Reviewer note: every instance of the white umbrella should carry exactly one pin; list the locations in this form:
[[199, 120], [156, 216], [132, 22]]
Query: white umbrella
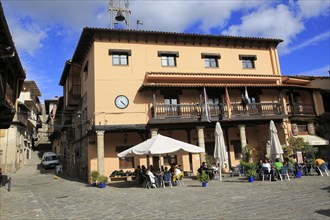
[[275, 145], [220, 152], [159, 145]]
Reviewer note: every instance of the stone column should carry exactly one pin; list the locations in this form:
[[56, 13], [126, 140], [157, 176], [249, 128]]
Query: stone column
[[243, 138], [201, 141], [153, 132], [100, 152]]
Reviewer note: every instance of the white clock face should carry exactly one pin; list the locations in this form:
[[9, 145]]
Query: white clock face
[[121, 101]]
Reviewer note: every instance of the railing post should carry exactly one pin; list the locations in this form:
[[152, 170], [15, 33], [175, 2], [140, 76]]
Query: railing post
[[154, 105]]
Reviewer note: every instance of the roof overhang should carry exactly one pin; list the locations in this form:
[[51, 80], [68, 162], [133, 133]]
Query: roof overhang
[[32, 87], [296, 81], [314, 140]]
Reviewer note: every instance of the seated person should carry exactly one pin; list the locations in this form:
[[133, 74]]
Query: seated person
[[152, 178], [278, 165], [266, 165], [307, 166], [215, 168], [207, 170]]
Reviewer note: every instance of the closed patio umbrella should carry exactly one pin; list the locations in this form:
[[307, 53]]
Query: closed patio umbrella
[[220, 152], [275, 145]]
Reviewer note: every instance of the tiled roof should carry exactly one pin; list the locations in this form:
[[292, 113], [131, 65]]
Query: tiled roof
[[88, 34]]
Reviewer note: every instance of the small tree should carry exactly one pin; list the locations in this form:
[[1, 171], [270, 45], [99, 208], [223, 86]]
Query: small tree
[[298, 144]]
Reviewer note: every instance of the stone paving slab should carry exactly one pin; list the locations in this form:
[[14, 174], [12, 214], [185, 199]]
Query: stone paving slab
[[38, 195]]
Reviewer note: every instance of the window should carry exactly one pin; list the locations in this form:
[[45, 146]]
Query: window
[[126, 163], [168, 58], [211, 59], [119, 57], [248, 61], [210, 62], [168, 160]]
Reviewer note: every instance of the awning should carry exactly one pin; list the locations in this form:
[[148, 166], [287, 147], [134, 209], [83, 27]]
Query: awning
[[314, 140]]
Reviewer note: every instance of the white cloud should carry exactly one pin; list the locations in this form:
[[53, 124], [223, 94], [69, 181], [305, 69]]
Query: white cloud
[[277, 22], [179, 15], [27, 38], [313, 8], [310, 42], [322, 71]]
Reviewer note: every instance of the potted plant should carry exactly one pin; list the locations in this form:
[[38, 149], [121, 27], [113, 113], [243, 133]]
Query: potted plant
[[249, 170], [102, 180], [203, 178], [94, 177]]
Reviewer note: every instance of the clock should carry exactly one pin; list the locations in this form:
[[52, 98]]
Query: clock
[[121, 101]]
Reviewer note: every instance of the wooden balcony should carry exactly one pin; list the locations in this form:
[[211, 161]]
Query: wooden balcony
[[300, 109], [74, 95], [21, 118], [9, 95], [164, 113]]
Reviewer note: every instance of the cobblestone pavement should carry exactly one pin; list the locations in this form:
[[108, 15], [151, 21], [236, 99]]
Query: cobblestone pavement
[[37, 194]]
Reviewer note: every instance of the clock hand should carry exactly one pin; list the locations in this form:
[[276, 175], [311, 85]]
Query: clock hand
[[122, 102]]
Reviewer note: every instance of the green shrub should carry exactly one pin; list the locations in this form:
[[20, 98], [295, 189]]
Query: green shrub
[[203, 177], [94, 176]]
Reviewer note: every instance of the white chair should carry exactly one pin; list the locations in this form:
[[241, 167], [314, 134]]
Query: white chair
[[323, 169], [58, 169], [265, 172], [167, 179], [283, 172], [180, 182]]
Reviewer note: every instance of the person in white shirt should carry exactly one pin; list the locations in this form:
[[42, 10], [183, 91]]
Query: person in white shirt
[[152, 178], [177, 173], [267, 165]]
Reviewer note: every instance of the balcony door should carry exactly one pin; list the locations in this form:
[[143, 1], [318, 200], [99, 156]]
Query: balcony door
[[171, 105]]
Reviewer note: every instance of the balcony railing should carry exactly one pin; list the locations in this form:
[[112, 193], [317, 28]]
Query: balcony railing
[[299, 109], [196, 112], [21, 118], [258, 109]]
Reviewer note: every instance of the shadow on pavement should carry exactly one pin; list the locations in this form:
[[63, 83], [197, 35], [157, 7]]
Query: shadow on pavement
[[130, 184], [325, 212], [327, 188]]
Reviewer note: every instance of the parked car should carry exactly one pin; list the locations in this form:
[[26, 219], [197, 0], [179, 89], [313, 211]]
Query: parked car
[[49, 160]]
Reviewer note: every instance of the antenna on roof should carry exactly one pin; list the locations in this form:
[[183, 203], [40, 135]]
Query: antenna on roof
[[120, 7], [138, 22]]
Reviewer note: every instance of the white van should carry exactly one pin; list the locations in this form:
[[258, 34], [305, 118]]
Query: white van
[[49, 160]]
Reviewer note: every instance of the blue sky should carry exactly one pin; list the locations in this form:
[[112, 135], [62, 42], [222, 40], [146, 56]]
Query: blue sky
[[46, 32]]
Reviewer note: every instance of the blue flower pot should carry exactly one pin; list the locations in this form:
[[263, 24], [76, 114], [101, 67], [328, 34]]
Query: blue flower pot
[[204, 184], [251, 179], [102, 185], [298, 174], [94, 184]]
